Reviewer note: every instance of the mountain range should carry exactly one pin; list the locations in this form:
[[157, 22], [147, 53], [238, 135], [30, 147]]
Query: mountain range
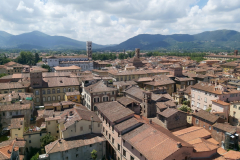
[[209, 40]]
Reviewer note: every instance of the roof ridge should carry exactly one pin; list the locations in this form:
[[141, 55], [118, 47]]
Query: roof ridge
[[53, 145], [190, 131]]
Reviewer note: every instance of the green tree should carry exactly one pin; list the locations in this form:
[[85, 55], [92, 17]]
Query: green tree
[[94, 154], [45, 140], [187, 103], [26, 58], [2, 75], [36, 58], [35, 157], [4, 59], [46, 67], [185, 108], [208, 109]]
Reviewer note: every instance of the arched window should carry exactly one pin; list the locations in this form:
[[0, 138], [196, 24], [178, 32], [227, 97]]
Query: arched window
[[44, 99], [53, 91], [54, 98], [58, 90], [69, 89], [48, 91], [43, 92], [59, 98], [49, 98], [64, 90]]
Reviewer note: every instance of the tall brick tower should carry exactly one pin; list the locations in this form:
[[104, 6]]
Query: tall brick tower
[[148, 105], [89, 49], [235, 52], [137, 52], [36, 79]]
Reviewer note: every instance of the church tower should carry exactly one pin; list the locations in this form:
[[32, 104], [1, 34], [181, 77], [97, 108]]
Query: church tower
[[137, 52], [148, 105], [89, 49]]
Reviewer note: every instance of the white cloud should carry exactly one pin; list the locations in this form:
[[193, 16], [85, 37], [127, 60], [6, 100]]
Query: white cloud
[[93, 19], [22, 7]]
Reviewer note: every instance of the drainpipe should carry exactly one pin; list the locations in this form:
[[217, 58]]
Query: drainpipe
[[121, 146], [91, 123]]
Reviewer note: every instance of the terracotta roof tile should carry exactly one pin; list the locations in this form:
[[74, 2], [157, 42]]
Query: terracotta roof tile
[[113, 110]]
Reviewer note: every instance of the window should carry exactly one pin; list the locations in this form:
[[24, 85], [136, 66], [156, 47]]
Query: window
[[124, 153], [59, 98], [103, 129], [210, 128], [109, 136], [49, 98], [43, 92], [112, 140], [235, 106], [205, 99], [54, 98], [119, 147], [69, 89], [49, 122], [204, 107], [193, 103], [196, 121], [234, 113], [106, 133], [98, 124], [30, 141], [37, 99], [73, 89], [203, 126], [44, 99], [238, 108], [48, 91], [3, 113], [36, 92], [112, 92], [131, 158], [58, 90], [53, 91], [198, 97], [193, 95], [198, 104]]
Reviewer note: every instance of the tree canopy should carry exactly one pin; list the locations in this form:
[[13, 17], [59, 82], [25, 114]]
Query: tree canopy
[[45, 140], [94, 154], [46, 67], [185, 108]]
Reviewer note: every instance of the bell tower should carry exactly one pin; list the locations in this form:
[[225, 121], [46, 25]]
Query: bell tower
[[89, 49], [137, 52], [148, 105]]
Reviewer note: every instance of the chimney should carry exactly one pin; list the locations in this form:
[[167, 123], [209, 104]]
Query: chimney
[[179, 145], [150, 121]]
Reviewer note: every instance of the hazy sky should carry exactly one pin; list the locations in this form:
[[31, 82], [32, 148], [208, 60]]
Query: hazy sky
[[114, 21]]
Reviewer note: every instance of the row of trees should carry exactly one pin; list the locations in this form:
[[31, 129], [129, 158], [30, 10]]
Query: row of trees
[[104, 56], [4, 59], [28, 58]]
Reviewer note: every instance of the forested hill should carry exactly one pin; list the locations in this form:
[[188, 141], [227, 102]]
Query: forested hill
[[39, 40], [206, 41]]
